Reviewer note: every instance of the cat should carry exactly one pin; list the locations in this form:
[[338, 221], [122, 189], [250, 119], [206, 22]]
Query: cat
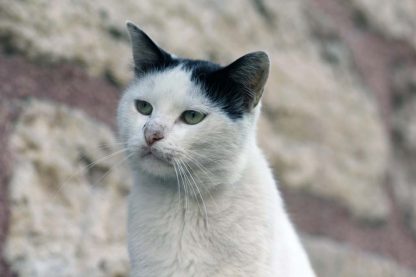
[[204, 200]]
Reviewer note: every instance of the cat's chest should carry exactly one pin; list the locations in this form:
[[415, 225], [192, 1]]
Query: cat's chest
[[172, 243], [162, 236], [170, 229]]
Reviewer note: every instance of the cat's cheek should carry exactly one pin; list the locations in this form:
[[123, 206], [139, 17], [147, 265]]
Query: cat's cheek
[[136, 127]]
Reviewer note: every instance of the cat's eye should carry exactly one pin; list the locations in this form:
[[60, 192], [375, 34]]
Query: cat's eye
[[192, 117], [143, 107]]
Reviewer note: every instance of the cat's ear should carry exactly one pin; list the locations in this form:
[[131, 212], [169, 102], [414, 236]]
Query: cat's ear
[[251, 72], [146, 54]]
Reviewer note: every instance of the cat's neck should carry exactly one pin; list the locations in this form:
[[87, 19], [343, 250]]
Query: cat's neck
[[166, 196], [157, 197]]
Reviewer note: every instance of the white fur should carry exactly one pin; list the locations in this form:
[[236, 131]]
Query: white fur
[[240, 229]]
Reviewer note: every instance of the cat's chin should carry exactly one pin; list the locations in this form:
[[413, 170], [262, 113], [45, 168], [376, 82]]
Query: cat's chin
[[156, 166], [154, 157]]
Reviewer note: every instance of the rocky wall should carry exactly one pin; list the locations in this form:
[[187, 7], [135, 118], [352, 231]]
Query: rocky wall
[[338, 124]]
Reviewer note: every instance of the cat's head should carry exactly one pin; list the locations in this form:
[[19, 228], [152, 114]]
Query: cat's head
[[182, 117]]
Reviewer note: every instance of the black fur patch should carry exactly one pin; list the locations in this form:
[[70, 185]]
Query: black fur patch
[[221, 90], [226, 93], [158, 66], [235, 88], [147, 56], [218, 87]]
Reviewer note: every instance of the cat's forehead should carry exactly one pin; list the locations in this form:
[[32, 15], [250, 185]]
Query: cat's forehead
[[164, 83], [171, 86]]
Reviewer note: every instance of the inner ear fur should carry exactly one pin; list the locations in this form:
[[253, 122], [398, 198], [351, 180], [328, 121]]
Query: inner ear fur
[[146, 53], [251, 71]]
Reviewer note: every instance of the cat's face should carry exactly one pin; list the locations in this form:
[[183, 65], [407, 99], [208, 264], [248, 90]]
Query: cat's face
[[183, 129], [188, 119]]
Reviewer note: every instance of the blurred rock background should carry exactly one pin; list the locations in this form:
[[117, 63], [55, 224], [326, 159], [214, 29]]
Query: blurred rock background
[[338, 125]]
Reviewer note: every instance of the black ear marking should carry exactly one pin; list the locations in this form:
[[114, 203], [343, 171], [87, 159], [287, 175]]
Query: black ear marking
[[251, 72], [236, 88], [146, 54]]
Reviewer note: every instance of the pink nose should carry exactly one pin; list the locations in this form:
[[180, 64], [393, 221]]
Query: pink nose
[[152, 137]]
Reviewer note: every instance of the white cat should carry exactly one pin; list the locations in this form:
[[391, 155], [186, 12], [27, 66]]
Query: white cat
[[204, 201]]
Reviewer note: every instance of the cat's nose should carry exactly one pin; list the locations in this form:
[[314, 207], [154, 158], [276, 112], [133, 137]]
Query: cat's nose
[[153, 131], [151, 136]]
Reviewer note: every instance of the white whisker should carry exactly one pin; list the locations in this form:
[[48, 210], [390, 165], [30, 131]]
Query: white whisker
[[205, 171], [189, 182], [87, 167], [178, 186], [110, 170], [180, 171], [199, 191]]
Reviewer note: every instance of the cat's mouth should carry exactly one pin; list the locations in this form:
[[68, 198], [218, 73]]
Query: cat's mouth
[[150, 153]]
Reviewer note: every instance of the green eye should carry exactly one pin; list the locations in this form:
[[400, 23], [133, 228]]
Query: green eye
[[143, 107], [192, 117]]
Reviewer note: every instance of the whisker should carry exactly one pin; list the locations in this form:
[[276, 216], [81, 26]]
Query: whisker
[[95, 184], [205, 157], [180, 170], [199, 165], [205, 171], [189, 181], [199, 191], [196, 198], [87, 167], [178, 186], [190, 184], [105, 158]]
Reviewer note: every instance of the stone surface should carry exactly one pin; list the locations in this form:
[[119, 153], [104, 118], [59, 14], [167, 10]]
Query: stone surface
[[334, 259], [67, 217], [394, 19], [404, 127], [322, 130], [69, 85], [404, 175], [336, 65], [381, 37], [21, 80], [5, 167], [328, 143]]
